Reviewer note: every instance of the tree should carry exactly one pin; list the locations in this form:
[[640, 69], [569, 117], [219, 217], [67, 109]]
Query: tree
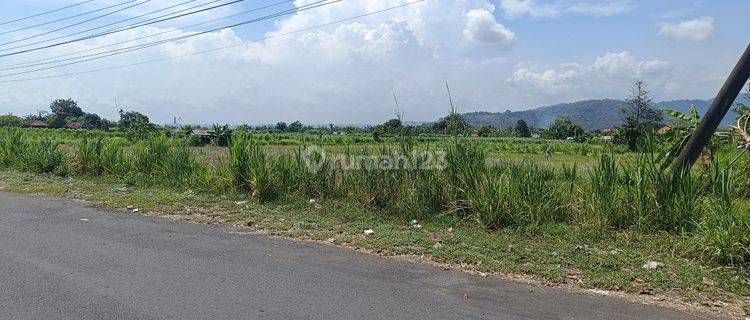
[[425, 128], [486, 131], [57, 121], [454, 123], [295, 126], [222, 135], [376, 135], [66, 108], [742, 129], [130, 118], [639, 108], [564, 128], [641, 117], [10, 120], [392, 126], [678, 136], [522, 129], [742, 108], [281, 126], [92, 119]]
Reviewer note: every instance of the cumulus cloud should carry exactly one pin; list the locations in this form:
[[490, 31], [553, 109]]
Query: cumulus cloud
[[697, 30], [481, 27], [534, 9], [344, 73], [607, 74]]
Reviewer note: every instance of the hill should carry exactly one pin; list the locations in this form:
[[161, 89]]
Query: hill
[[591, 114]]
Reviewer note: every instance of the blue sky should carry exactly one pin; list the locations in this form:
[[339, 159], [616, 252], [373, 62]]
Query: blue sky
[[497, 55]]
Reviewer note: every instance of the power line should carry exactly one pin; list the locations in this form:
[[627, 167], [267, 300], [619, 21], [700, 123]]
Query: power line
[[36, 62], [99, 27], [214, 49], [112, 31], [156, 43], [68, 18], [46, 12]]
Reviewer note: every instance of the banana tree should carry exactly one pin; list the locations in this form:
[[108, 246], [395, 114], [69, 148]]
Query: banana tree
[[677, 137]]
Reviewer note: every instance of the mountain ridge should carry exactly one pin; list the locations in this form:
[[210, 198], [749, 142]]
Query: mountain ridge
[[593, 114]]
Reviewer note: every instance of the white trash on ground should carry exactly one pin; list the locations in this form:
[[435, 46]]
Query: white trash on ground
[[651, 265]]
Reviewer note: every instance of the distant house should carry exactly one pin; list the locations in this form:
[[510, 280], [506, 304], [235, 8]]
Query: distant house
[[665, 129], [606, 138], [202, 136], [39, 124]]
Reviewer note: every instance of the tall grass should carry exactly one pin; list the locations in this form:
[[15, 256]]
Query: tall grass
[[251, 168], [12, 147], [631, 194], [724, 232], [88, 156], [44, 157]]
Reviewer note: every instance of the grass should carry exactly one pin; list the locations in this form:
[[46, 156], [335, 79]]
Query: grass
[[596, 223], [558, 254]]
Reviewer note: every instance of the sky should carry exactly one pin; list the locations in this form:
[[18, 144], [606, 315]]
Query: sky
[[311, 65]]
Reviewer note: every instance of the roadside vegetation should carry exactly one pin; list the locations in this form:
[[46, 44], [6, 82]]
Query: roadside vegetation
[[613, 217]]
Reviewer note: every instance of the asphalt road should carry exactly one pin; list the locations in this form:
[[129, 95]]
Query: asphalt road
[[118, 265]]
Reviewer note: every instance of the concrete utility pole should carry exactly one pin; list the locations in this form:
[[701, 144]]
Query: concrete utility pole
[[719, 108]]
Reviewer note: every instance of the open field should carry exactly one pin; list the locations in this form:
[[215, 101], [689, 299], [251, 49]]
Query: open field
[[583, 219]]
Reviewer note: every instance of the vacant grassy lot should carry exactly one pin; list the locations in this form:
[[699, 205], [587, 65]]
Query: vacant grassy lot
[[589, 220]]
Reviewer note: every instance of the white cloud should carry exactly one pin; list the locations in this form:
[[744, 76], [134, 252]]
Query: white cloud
[[481, 27], [343, 73], [601, 8], [516, 8], [697, 30], [605, 77], [535, 9]]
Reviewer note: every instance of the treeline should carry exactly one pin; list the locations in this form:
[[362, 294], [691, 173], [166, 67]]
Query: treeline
[[66, 113]]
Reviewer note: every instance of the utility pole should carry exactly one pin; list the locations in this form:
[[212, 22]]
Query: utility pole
[[719, 108]]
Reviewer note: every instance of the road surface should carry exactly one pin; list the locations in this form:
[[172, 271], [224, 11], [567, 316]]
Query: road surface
[[62, 260]]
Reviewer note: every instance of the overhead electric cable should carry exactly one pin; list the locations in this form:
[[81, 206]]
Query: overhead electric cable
[[37, 62], [211, 50], [68, 18], [156, 43], [111, 31], [79, 23], [46, 12], [99, 27]]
